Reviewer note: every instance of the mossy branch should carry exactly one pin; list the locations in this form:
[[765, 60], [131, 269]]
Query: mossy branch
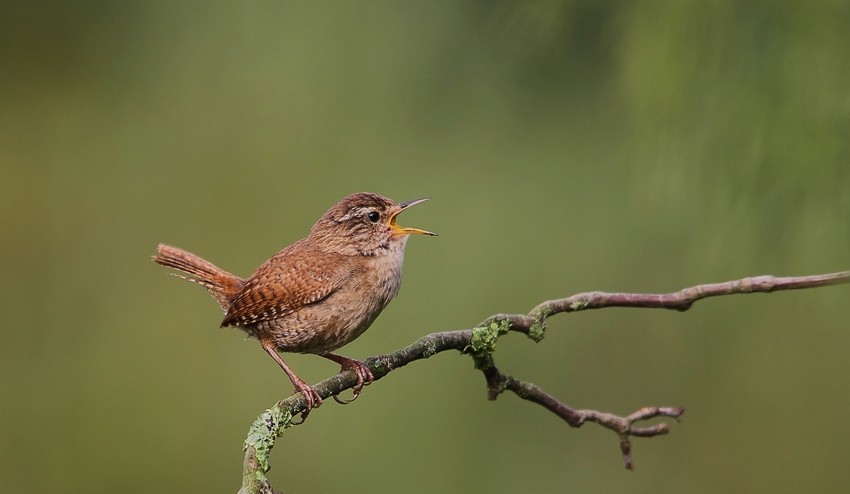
[[480, 344]]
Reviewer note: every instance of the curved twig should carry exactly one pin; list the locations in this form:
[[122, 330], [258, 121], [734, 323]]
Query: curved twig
[[480, 343]]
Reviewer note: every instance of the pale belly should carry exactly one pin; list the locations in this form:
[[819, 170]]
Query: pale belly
[[341, 317]]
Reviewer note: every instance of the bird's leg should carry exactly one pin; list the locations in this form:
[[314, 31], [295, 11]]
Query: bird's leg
[[310, 395], [364, 375]]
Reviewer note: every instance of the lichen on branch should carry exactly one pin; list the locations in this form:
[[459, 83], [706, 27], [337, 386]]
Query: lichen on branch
[[480, 343], [483, 342]]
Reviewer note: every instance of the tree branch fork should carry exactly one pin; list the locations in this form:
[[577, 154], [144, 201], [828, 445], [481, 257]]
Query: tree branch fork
[[480, 344]]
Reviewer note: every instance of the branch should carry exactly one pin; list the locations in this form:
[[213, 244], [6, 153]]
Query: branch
[[480, 344]]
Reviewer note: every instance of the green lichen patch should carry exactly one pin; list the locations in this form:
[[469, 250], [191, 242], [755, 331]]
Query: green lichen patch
[[263, 432], [380, 364], [430, 348], [483, 342], [537, 331]]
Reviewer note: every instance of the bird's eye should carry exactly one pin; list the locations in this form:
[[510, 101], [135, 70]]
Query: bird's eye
[[373, 216]]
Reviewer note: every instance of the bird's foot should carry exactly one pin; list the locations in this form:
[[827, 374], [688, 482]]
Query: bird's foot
[[363, 373], [311, 396]]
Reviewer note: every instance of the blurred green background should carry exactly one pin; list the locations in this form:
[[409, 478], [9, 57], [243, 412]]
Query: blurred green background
[[568, 146]]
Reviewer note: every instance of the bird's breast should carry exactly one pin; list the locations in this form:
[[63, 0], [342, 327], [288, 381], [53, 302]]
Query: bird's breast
[[346, 313]]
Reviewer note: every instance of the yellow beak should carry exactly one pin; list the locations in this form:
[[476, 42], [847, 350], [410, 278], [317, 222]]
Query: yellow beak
[[400, 230]]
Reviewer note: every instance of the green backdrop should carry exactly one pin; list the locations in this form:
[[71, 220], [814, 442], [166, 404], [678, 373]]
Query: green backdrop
[[568, 146]]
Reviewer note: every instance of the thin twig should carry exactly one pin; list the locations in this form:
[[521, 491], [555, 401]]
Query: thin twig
[[479, 342]]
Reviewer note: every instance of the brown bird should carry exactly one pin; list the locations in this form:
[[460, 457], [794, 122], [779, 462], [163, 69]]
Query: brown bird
[[319, 293]]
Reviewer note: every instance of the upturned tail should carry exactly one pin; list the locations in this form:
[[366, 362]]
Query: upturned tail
[[223, 286]]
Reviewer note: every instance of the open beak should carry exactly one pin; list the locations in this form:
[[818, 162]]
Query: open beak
[[400, 230]]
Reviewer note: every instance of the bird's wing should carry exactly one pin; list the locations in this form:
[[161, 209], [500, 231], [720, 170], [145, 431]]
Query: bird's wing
[[284, 284]]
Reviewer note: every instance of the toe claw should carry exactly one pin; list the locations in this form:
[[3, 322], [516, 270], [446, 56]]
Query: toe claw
[[343, 401], [363, 373], [312, 398]]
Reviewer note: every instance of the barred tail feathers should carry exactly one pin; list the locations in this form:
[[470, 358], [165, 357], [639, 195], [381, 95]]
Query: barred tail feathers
[[223, 286]]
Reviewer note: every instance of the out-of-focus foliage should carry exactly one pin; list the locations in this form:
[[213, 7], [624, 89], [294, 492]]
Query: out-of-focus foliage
[[568, 146]]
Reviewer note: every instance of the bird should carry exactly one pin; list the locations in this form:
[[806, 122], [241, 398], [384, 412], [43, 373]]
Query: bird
[[319, 293]]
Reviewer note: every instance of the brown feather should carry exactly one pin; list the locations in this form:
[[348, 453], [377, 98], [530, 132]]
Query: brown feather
[[293, 278], [321, 292], [223, 286]]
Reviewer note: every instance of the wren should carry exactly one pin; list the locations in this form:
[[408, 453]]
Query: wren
[[319, 293]]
